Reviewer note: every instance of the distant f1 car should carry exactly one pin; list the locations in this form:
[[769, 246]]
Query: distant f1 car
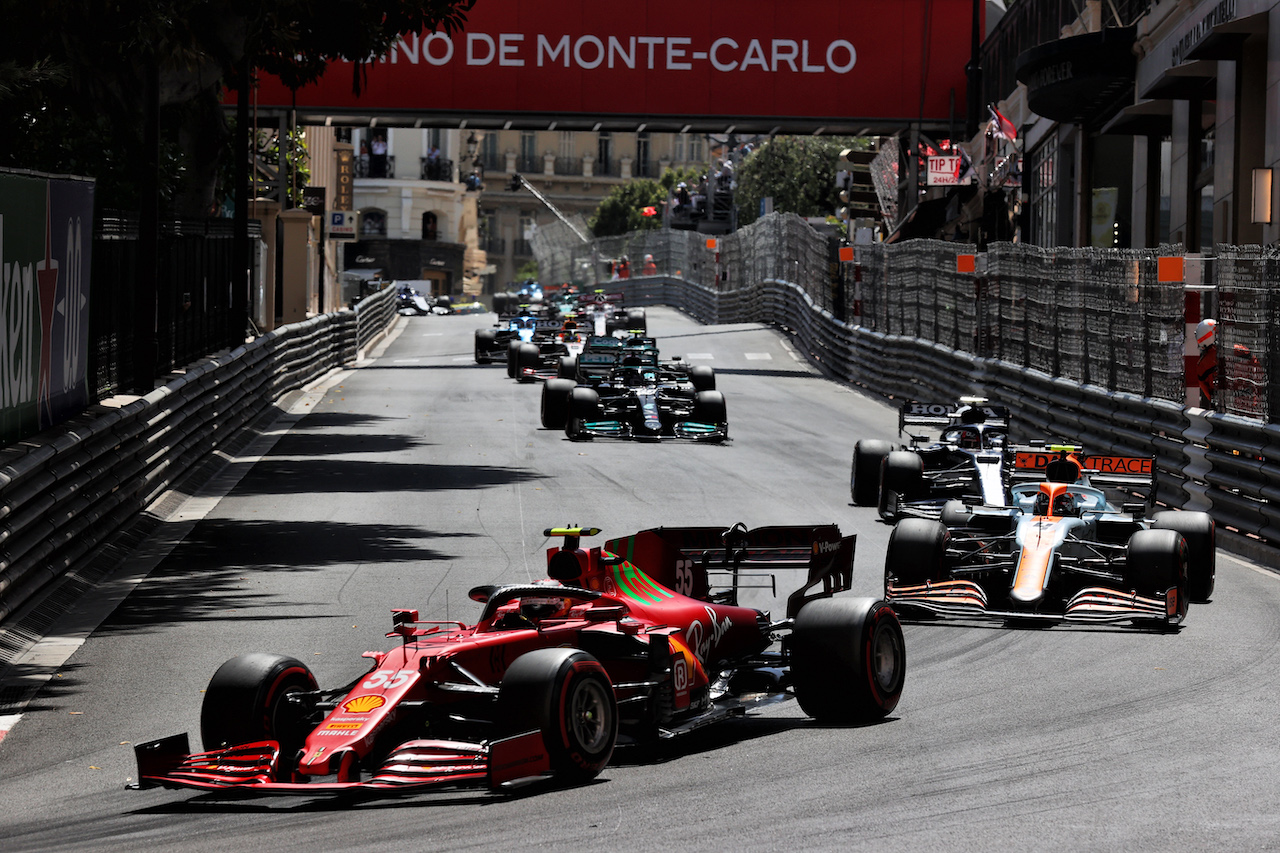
[[966, 462], [638, 638], [1061, 551], [608, 361], [639, 398]]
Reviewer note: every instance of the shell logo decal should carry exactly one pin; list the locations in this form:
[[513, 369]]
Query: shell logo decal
[[363, 704]]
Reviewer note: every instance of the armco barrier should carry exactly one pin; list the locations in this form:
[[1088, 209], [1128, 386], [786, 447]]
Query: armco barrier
[[1226, 465], [67, 491]]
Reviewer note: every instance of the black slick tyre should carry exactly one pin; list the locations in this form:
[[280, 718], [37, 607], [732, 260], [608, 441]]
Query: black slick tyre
[[917, 552], [709, 408], [864, 478], [584, 405], [568, 367], [555, 402], [247, 700], [484, 345], [528, 357], [513, 357], [702, 377], [1156, 561], [1200, 532], [901, 479], [636, 320], [566, 694], [848, 659]]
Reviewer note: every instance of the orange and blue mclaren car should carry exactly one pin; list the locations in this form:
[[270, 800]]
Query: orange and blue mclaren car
[[1064, 549], [639, 640]]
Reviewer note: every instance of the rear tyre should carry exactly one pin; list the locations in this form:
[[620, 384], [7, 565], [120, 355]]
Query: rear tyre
[[500, 303], [917, 552], [901, 479], [864, 479], [1157, 561], [636, 320], [528, 357], [555, 402], [247, 700], [1200, 532], [955, 514], [484, 345], [702, 377], [567, 695], [568, 367], [848, 659]]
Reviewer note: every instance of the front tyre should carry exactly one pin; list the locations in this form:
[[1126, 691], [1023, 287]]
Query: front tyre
[[848, 659], [248, 700], [567, 695], [1156, 561], [555, 402]]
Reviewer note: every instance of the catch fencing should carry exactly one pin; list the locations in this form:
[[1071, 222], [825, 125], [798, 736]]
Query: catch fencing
[[69, 492], [1085, 345]]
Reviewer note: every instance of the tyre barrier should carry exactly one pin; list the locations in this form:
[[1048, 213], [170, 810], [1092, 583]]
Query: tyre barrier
[[66, 492], [1226, 465]]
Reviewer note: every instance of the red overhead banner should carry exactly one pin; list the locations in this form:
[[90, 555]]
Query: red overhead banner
[[785, 58]]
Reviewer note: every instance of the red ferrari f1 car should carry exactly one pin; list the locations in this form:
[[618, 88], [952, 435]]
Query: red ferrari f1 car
[[642, 637]]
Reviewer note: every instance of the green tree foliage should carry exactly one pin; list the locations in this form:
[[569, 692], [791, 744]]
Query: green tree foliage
[[798, 172], [528, 270], [74, 79], [622, 210]]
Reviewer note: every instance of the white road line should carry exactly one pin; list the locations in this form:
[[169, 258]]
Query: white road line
[[432, 334], [795, 356], [406, 361], [759, 356], [701, 356]]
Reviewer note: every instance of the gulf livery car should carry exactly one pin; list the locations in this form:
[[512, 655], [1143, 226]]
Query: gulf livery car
[[1061, 551], [641, 639], [965, 462]]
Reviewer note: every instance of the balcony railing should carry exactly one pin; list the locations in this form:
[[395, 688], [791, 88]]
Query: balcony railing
[[529, 163], [521, 248], [569, 166], [438, 169], [368, 167]]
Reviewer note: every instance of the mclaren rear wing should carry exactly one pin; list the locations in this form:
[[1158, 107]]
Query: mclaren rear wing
[[1125, 475], [715, 563]]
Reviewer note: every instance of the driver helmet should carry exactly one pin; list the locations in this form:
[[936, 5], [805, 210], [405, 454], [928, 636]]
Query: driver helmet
[[1065, 504], [1205, 330], [969, 439], [538, 607]]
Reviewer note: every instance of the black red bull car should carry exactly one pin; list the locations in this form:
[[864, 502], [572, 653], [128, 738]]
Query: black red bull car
[[641, 639], [966, 461], [1061, 550]]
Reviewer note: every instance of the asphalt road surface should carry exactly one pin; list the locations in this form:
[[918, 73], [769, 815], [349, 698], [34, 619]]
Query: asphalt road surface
[[420, 474]]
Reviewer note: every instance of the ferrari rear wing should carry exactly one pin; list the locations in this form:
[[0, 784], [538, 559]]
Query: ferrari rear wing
[[938, 416], [715, 563]]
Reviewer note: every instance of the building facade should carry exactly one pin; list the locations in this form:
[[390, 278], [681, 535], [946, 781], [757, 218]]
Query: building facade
[[1140, 123]]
